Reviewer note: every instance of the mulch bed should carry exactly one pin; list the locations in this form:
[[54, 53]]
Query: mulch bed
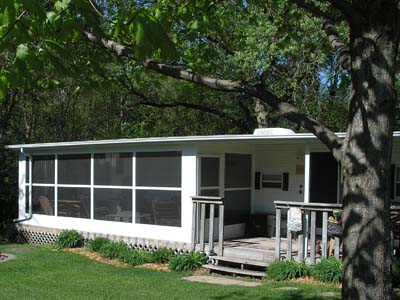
[[115, 262]]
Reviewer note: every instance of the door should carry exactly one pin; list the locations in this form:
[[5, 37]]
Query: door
[[210, 176], [323, 178]]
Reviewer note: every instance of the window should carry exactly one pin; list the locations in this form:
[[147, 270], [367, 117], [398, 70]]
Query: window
[[113, 169], [43, 169], [158, 188], [237, 188], [397, 182], [43, 200], [272, 181], [237, 170], [74, 169], [113, 204], [161, 169], [74, 202], [158, 207]]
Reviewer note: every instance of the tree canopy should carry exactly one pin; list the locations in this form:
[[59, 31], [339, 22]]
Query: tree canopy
[[323, 66]]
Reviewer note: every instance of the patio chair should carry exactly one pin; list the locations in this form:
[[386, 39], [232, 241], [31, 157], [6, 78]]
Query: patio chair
[[165, 212], [46, 205]]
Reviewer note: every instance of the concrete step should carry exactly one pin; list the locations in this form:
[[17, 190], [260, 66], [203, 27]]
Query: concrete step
[[240, 261], [236, 271]]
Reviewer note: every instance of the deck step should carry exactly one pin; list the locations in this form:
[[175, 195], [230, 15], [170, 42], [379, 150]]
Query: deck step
[[241, 261], [234, 271]]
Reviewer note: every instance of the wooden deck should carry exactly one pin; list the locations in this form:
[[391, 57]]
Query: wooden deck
[[258, 248]]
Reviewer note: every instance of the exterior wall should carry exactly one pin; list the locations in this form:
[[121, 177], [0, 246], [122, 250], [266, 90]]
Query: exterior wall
[[277, 159], [156, 232]]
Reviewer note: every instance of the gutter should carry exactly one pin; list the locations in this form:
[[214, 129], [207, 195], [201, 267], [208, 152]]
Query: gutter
[[30, 190]]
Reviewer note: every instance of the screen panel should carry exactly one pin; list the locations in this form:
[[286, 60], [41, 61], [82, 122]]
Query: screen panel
[[74, 169], [74, 202], [237, 170], [209, 171], [158, 207], [43, 169], [113, 169], [158, 169], [113, 205], [43, 200]]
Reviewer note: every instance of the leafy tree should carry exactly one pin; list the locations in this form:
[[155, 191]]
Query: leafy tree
[[275, 52]]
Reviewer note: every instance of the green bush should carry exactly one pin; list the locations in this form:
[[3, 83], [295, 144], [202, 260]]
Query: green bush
[[112, 250], [328, 270], [162, 255], [69, 239], [395, 272], [135, 257], [95, 244], [286, 270], [187, 262]]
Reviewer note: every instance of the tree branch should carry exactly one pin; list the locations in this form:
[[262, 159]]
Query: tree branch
[[13, 25], [283, 107], [337, 44], [311, 8], [344, 7]]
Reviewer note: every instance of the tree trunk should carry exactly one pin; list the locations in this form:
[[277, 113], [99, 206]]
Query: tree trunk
[[367, 152]]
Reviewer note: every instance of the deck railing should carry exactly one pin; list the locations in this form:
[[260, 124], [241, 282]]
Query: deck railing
[[309, 232], [200, 204]]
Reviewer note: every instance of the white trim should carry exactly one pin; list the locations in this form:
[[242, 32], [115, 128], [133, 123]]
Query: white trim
[[158, 188], [210, 188], [44, 184], [307, 173], [56, 185], [74, 185], [121, 187], [134, 187], [238, 189], [181, 139], [91, 186]]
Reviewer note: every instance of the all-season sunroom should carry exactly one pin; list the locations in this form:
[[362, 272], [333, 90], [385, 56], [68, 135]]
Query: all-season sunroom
[[142, 188]]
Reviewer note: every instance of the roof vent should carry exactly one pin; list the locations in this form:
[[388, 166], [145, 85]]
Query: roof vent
[[273, 131]]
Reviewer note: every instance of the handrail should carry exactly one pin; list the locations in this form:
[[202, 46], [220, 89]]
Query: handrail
[[309, 206], [198, 222]]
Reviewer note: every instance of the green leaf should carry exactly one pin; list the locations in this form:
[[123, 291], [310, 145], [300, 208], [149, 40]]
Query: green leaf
[[3, 87], [22, 52]]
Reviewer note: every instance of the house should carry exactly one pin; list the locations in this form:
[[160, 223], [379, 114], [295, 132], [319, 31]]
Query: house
[[141, 189]]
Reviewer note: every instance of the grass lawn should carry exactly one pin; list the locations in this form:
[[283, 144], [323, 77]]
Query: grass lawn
[[42, 273]]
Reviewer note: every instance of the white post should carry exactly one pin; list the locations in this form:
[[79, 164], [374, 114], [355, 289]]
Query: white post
[[307, 174], [306, 195], [22, 186]]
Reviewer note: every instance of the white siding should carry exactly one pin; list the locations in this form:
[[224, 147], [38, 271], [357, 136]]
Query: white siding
[[278, 159]]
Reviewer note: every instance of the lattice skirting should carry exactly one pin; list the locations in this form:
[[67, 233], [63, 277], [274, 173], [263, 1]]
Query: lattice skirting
[[40, 236]]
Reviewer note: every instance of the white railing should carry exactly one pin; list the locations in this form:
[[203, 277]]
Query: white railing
[[199, 223], [308, 234]]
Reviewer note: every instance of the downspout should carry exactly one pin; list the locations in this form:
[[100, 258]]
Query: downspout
[[30, 190]]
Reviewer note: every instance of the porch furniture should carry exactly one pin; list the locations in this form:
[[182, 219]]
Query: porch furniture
[[46, 206]]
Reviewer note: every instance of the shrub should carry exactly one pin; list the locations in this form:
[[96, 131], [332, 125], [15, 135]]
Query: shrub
[[95, 244], [187, 262], [69, 239], [135, 257], [395, 272], [113, 249], [162, 255], [286, 270], [328, 270]]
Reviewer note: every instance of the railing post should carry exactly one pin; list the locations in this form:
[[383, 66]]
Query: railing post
[[337, 248], [211, 230], [202, 225], [289, 245], [194, 222], [312, 237], [221, 230], [324, 234], [278, 235]]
